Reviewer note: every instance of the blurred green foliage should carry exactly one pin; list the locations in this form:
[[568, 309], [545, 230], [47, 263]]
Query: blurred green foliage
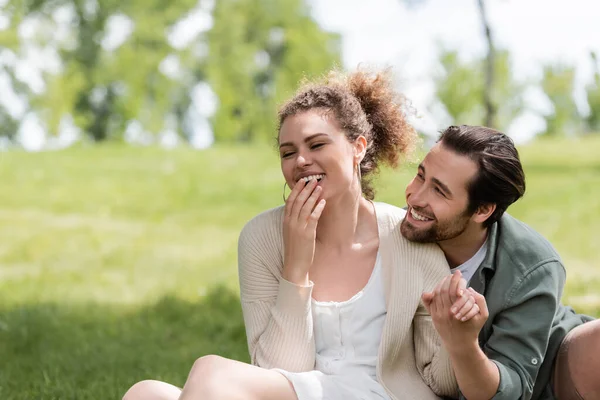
[[558, 84], [258, 52], [253, 55], [460, 86], [593, 97]]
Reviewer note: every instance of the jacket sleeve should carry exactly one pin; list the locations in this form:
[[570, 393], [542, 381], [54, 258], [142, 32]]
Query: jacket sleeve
[[277, 313], [521, 331]]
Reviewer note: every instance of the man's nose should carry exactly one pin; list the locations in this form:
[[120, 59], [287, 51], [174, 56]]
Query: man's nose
[[418, 197]]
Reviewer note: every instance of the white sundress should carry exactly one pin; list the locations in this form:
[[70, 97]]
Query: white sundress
[[347, 337]]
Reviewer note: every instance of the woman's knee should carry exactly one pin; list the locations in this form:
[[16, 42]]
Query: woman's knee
[[209, 374], [152, 390]]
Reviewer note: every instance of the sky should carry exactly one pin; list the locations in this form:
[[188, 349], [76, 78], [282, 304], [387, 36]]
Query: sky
[[536, 32], [383, 33]]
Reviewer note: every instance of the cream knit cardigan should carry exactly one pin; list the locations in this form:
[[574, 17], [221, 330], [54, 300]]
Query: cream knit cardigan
[[277, 314]]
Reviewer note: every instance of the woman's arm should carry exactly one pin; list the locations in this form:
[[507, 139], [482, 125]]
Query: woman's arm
[[277, 313], [433, 361]]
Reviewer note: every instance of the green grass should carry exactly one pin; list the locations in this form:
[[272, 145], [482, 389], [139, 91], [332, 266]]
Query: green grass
[[119, 263]]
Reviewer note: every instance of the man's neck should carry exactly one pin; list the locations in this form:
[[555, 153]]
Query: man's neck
[[461, 248]]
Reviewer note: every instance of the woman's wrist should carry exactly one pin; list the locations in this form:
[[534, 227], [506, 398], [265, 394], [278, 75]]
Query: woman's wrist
[[295, 275]]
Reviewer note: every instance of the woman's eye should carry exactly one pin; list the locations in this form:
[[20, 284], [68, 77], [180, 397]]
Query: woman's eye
[[288, 154], [316, 145]]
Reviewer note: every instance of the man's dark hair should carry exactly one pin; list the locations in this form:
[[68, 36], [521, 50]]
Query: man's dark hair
[[500, 178]]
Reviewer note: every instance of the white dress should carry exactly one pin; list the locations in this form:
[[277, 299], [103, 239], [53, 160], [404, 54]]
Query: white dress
[[347, 337]]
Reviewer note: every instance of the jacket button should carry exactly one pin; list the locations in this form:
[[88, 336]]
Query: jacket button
[[534, 361]]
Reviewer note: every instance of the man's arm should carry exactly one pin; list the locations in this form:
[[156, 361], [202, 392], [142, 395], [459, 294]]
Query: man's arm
[[518, 344], [477, 376]]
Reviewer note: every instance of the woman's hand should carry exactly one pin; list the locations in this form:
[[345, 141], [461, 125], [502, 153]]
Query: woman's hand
[[458, 312], [302, 212]]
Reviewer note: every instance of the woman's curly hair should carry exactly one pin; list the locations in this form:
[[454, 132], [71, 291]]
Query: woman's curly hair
[[363, 103]]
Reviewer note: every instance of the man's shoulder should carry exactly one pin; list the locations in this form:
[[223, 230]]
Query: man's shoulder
[[522, 246]]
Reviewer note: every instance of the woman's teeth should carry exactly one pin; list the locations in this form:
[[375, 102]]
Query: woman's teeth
[[307, 179], [418, 217]]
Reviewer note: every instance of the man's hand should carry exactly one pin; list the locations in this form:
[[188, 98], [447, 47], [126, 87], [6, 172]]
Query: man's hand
[[458, 313]]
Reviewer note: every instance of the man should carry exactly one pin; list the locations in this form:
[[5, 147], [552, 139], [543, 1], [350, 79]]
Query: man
[[523, 344]]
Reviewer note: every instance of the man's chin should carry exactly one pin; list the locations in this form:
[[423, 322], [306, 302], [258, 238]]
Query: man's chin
[[414, 235]]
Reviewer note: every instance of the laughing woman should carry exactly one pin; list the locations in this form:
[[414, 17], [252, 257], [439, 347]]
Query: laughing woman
[[330, 289]]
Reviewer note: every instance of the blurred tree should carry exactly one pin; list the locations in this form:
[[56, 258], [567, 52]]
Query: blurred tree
[[593, 97], [254, 56], [259, 50], [8, 124], [557, 83], [489, 74], [103, 88], [460, 89]]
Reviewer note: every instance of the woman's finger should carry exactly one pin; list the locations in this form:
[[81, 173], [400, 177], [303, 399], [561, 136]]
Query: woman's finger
[[471, 313], [302, 197], [309, 205], [453, 286], [466, 307], [461, 288], [289, 203], [458, 304], [315, 215]]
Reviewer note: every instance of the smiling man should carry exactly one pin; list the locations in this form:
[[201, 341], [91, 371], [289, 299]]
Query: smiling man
[[524, 344]]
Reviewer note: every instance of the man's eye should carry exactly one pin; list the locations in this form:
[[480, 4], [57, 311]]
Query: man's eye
[[420, 176], [439, 191]]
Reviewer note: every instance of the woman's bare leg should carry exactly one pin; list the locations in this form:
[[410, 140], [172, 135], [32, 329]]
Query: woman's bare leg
[[217, 378], [152, 390]]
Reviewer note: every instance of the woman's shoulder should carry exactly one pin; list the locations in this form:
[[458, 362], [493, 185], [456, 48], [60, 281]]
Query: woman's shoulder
[[390, 212], [268, 222]]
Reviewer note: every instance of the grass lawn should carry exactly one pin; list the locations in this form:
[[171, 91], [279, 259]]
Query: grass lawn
[[119, 263]]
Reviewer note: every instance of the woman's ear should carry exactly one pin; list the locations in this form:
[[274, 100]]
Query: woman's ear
[[360, 148]]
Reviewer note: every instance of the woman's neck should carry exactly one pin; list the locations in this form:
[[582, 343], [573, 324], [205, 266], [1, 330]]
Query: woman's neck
[[347, 221]]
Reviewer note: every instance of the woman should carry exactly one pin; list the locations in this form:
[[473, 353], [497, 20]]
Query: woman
[[330, 289]]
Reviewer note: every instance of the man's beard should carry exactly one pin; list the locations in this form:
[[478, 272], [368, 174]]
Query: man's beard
[[435, 233]]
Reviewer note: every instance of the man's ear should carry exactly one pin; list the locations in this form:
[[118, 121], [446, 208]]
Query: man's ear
[[483, 212], [360, 148]]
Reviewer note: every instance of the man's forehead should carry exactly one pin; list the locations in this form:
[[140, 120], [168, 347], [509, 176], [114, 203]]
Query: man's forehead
[[449, 167]]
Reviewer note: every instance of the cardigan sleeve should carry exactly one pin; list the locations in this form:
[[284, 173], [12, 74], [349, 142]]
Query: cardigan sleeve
[[433, 361], [277, 313]]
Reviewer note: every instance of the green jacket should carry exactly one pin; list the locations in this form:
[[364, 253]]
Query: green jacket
[[522, 279]]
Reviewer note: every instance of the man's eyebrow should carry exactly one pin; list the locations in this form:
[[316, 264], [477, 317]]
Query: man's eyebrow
[[442, 186], [445, 188], [308, 138]]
